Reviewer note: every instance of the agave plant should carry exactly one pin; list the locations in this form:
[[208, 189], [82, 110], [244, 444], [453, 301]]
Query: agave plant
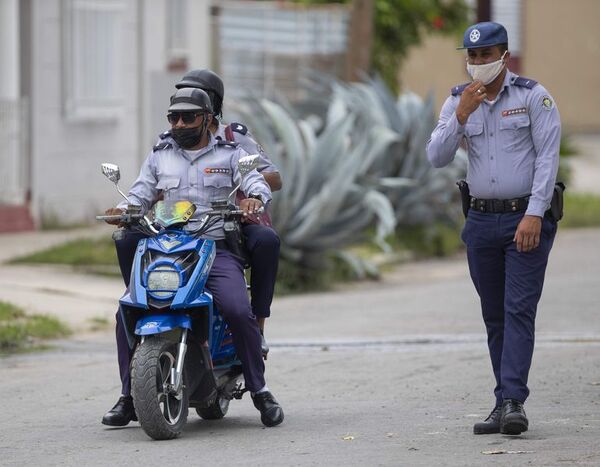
[[357, 162]]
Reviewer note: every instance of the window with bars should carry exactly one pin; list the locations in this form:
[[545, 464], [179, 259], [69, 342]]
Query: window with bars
[[92, 58]]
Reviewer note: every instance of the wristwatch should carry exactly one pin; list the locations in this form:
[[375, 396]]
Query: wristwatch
[[257, 196]]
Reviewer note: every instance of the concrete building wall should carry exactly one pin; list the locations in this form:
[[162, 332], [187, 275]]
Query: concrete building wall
[[66, 152], [67, 185]]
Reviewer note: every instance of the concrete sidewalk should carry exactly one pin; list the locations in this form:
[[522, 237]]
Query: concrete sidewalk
[[80, 300]]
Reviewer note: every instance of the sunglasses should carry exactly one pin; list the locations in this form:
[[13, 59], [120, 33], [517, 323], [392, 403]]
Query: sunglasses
[[187, 117]]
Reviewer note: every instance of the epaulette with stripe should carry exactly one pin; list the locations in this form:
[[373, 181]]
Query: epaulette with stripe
[[239, 128], [165, 134], [223, 142], [161, 146], [458, 90], [524, 82]]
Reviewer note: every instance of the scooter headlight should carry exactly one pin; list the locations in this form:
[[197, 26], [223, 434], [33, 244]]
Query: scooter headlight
[[163, 281]]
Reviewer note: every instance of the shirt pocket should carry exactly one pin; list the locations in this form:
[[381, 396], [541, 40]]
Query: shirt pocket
[[169, 183], [515, 132], [216, 187], [217, 180], [475, 138]]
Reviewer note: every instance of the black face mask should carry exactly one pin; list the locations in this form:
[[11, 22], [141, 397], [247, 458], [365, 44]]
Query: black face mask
[[187, 137]]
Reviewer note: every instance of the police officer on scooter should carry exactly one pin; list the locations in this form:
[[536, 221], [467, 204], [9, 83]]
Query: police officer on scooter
[[262, 242], [192, 164]]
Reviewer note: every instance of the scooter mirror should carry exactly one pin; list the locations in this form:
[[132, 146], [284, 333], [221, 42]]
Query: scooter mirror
[[247, 164], [112, 172]]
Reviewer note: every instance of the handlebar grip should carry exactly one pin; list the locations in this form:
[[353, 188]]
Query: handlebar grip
[[120, 217]]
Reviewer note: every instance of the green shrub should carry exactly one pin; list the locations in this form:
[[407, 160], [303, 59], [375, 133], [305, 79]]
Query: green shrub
[[581, 210]]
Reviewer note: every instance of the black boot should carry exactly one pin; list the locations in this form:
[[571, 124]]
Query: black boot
[[121, 414], [490, 425], [513, 420], [271, 413]]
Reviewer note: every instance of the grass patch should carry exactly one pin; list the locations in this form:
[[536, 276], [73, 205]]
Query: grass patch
[[20, 332], [84, 252], [581, 210], [99, 323]]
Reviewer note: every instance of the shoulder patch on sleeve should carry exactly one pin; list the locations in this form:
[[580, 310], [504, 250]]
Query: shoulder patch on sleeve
[[239, 128], [458, 90], [231, 144], [165, 134], [161, 146], [547, 103], [524, 82]]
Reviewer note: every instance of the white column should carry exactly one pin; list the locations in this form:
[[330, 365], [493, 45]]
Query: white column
[[199, 40], [9, 49]]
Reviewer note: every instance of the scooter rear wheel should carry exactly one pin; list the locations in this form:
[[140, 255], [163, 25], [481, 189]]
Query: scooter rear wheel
[[218, 409], [161, 413]]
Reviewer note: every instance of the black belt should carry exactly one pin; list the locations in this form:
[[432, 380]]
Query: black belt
[[499, 205]]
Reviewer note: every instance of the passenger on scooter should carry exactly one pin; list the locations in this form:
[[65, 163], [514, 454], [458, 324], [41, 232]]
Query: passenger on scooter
[[262, 242], [191, 164]]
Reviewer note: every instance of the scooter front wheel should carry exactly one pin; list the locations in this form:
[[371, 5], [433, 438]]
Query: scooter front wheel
[[161, 412]]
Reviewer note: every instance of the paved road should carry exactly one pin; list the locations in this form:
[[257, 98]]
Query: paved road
[[390, 373]]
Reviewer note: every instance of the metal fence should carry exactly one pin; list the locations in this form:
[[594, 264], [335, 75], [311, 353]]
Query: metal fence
[[267, 47], [13, 160]]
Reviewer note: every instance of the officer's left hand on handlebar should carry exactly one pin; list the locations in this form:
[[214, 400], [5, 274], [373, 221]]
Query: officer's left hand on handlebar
[[528, 232], [113, 212], [250, 206]]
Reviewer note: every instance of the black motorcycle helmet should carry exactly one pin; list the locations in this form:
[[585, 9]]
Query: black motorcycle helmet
[[209, 82], [191, 100]]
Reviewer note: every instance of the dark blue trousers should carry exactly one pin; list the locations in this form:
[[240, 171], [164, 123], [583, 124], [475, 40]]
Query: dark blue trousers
[[262, 243], [263, 246], [509, 285]]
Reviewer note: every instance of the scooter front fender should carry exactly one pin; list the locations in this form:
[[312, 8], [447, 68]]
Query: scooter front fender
[[157, 324]]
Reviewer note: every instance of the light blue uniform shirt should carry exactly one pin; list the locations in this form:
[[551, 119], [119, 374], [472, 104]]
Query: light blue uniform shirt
[[197, 176], [513, 144]]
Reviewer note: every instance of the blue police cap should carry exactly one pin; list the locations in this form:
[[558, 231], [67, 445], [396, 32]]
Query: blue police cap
[[484, 34]]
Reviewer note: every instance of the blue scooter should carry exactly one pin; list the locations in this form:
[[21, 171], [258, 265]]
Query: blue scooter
[[184, 353]]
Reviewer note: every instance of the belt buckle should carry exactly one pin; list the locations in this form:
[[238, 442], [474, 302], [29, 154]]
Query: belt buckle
[[497, 205]]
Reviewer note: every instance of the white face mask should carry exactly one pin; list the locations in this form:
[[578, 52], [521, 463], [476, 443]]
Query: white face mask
[[487, 72]]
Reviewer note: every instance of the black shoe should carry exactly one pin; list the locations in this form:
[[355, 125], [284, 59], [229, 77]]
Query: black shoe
[[513, 420], [263, 345], [490, 425], [121, 414], [271, 413]]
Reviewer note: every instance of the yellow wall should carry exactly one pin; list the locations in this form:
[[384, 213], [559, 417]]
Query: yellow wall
[[560, 49], [434, 66]]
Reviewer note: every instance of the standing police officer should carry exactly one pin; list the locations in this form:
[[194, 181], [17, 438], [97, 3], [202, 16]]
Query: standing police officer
[[262, 242], [192, 164], [512, 129]]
